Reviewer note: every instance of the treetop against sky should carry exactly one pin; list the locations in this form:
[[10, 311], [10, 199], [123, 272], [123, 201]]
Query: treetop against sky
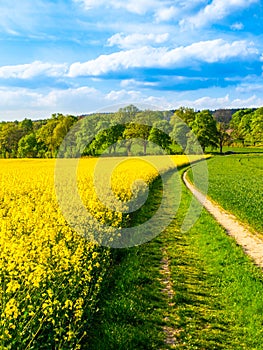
[[78, 56]]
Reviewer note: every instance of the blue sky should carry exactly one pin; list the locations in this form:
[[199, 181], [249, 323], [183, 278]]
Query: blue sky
[[82, 56]]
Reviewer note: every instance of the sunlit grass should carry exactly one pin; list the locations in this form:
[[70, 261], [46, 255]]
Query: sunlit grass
[[236, 182]]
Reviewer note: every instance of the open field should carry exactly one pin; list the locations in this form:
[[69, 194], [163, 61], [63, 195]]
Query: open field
[[50, 275], [217, 301], [236, 183], [60, 291], [238, 149]]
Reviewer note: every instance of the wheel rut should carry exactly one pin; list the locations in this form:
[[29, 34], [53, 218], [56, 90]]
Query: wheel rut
[[250, 242]]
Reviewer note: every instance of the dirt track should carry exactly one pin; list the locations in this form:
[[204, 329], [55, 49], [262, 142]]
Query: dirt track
[[251, 244]]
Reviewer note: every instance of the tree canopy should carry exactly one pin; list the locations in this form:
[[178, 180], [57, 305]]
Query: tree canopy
[[130, 130]]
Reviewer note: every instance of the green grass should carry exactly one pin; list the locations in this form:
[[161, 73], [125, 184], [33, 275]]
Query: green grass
[[236, 182], [218, 292], [218, 300], [130, 315], [237, 149]]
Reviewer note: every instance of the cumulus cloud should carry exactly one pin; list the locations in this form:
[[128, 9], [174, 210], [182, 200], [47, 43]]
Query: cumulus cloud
[[134, 6], [163, 10], [237, 26], [166, 14], [250, 87], [23, 102], [17, 98], [211, 51], [18, 103], [123, 95], [148, 57], [68, 97], [137, 83], [136, 39], [31, 70], [22, 97], [209, 102], [215, 11], [89, 4]]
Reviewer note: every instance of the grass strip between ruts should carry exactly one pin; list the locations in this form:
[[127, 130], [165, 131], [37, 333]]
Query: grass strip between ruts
[[218, 300]]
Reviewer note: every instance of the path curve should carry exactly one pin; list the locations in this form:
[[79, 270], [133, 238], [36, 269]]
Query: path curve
[[251, 244]]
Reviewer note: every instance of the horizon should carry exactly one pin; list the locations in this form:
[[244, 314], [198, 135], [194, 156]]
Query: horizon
[[115, 111]]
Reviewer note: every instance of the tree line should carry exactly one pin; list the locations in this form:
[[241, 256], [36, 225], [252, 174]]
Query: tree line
[[129, 127]]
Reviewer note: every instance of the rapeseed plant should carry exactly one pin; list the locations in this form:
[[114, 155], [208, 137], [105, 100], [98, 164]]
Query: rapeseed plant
[[50, 276]]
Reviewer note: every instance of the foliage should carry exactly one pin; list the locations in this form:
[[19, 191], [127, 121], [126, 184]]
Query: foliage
[[204, 127], [130, 129]]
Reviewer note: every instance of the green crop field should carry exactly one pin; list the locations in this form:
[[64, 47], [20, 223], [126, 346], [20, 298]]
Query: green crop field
[[237, 149], [236, 182]]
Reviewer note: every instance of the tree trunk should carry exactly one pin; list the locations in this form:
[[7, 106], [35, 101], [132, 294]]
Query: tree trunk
[[221, 147], [144, 148]]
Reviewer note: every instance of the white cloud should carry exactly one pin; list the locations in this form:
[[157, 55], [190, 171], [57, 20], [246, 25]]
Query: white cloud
[[17, 98], [250, 87], [215, 11], [143, 57], [136, 39], [252, 102], [214, 51], [18, 103], [209, 102], [27, 71], [115, 61], [123, 95], [148, 57], [237, 26], [89, 4], [135, 83], [166, 14], [68, 98], [134, 6]]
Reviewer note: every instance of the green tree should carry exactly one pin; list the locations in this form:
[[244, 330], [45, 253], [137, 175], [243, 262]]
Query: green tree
[[159, 134], [51, 134], [26, 125], [257, 126], [204, 127], [185, 114], [179, 133], [134, 131], [45, 137], [10, 134], [62, 128], [28, 146], [223, 135], [126, 115], [130, 133], [240, 124]]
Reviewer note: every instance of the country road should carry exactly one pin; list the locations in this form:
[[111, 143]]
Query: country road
[[250, 242]]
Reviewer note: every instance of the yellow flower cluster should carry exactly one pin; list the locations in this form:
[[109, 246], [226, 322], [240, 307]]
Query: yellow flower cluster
[[50, 276]]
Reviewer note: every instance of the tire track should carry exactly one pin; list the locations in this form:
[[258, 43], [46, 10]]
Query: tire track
[[251, 243]]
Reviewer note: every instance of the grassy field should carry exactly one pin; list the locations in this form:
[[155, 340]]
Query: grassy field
[[236, 182], [237, 149], [58, 292], [218, 292]]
